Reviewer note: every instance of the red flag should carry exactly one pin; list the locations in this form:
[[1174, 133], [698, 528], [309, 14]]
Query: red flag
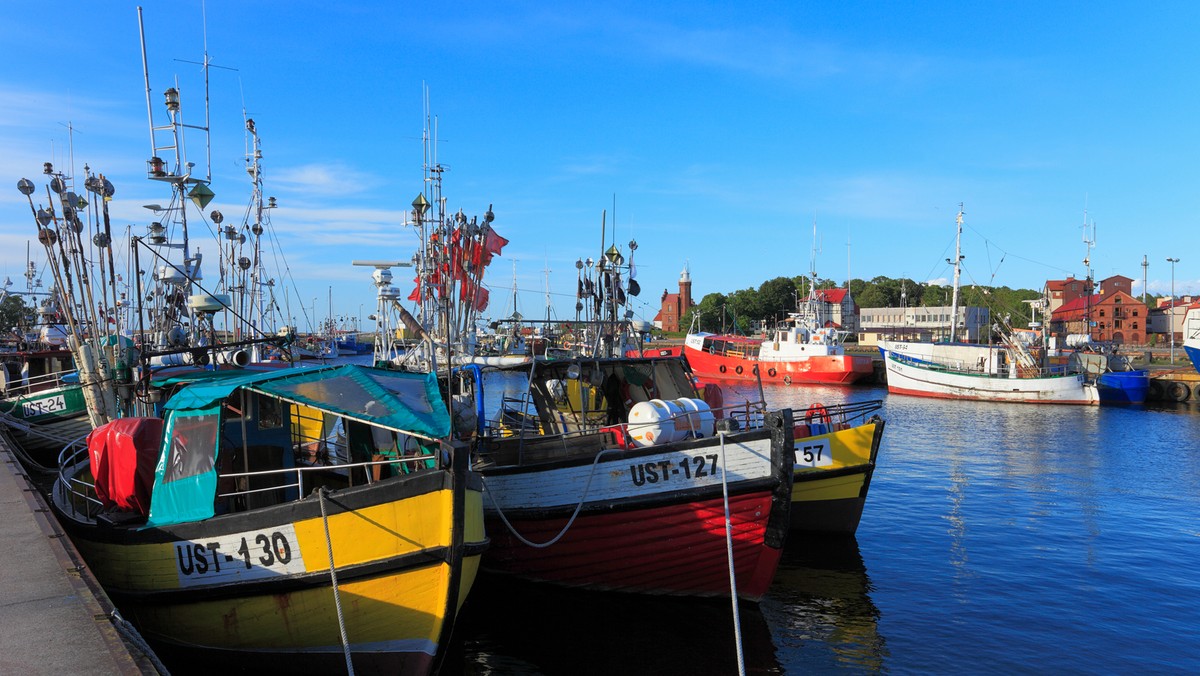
[[493, 242], [416, 292], [492, 245], [481, 299]]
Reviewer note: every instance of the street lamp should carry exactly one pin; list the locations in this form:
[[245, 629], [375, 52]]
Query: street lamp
[[1171, 308]]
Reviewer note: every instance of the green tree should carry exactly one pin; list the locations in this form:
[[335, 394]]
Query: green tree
[[776, 297], [710, 308], [13, 313]]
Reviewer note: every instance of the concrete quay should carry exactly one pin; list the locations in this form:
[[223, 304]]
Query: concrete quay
[[54, 617]]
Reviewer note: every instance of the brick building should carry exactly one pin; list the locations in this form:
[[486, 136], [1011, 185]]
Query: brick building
[[1112, 315], [675, 305]]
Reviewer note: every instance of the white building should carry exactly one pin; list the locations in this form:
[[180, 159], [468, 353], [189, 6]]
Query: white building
[[924, 324]]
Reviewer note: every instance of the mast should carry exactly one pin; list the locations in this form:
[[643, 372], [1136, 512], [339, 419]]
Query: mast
[[957, 272], [1089, 244]]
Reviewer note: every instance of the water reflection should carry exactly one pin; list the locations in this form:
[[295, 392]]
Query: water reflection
[[820, 608], [513, 627]]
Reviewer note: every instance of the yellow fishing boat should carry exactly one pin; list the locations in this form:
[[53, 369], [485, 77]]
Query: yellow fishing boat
[[236, 529], [835, 452]]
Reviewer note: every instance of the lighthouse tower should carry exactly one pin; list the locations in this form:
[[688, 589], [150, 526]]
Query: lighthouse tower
[[685, 290]]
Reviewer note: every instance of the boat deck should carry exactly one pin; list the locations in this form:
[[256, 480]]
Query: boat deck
[[55, 617]]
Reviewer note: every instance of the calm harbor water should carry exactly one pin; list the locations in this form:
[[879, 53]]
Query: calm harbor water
[[997, 538]]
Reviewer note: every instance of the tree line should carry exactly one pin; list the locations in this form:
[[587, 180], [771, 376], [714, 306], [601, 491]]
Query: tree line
[[775, 298]]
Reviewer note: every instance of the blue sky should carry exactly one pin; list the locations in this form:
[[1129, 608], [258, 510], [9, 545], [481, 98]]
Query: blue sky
[[721, 131]]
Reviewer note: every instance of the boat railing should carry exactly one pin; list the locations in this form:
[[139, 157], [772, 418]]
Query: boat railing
[[45, 381], [77, 487], [76, 492], [978, 367]]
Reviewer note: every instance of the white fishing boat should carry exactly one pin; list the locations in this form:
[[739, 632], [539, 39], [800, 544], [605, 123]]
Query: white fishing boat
[[1007, 371]]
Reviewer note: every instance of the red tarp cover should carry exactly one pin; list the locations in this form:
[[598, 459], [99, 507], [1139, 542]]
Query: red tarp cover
[[124, 453]]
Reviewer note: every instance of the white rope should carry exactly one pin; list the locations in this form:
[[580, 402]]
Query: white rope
[[337, 597], [737, 618], [130, 634], [582, 499]]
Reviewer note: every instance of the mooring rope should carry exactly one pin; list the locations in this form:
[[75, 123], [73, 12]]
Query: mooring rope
[[737, 618], [337, 596], [130, 633], [579, 507]]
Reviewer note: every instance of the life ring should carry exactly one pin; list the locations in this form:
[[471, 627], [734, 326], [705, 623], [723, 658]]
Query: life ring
[[712, 349], [721, 368], [787, 379], [738, 369], [771, 372], [754, 370], [819, 413]]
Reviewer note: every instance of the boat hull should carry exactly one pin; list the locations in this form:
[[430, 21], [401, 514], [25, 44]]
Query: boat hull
[[1193, 353], [925, 380], [61, 402], [650, 520], [256, 586], [832, 477], [1122, 388], [842, 369]]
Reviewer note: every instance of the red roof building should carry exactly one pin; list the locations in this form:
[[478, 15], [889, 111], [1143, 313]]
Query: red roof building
[[1110, 316], [1059, 292]]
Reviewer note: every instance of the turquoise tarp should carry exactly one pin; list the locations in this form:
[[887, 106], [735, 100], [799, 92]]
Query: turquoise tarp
[[185, 479]]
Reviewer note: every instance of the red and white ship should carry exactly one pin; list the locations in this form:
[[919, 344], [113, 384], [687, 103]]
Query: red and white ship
[[613, 478], [794, 355]]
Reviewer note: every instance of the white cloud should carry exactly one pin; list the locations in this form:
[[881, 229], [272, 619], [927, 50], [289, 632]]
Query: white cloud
[[323, 180]]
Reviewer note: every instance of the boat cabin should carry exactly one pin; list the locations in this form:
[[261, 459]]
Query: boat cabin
[[237, 443]]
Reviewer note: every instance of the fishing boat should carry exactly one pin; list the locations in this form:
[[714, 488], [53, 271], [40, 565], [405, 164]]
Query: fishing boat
[[611, 474], [38, 380], [1117, 382], [794, 355], [835, 451], [806, 350], [1008, 371], [614, 473], [299, 520]]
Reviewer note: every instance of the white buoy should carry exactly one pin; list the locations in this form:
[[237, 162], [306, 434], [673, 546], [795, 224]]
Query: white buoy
[[696, 417]]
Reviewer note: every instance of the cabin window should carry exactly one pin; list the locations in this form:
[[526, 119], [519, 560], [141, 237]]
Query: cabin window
[[270, 413], [193, 446]]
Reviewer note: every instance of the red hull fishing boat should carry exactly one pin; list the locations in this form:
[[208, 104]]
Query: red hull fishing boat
[[609, 474], [793, 356]]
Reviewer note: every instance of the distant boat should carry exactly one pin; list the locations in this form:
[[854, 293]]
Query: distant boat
[[1005, 372], [807, 350], [982, 373], [796, 355]]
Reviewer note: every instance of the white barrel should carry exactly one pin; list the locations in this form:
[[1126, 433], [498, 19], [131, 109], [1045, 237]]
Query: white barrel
[[652, 423], [696, 418]]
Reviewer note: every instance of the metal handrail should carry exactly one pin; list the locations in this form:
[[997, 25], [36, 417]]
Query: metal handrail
[[74, 455], [24, 386]]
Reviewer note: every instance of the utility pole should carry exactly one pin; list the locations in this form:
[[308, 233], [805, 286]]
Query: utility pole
[[1171, 308]]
